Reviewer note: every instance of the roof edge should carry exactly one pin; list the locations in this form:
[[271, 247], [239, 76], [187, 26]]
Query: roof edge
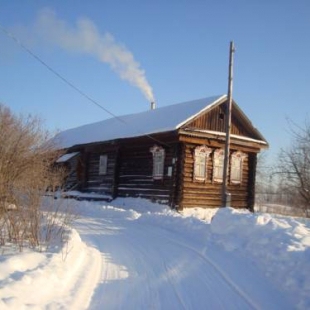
[[219, 100], [259, 134], [216, 134]]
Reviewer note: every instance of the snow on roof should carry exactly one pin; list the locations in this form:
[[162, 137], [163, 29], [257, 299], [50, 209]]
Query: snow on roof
[[66, 157], [162, 119]]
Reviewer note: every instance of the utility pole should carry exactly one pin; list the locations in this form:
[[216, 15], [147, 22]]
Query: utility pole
[[226, 197]]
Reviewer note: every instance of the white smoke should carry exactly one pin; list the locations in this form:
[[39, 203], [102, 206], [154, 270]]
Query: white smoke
[[85, 38]]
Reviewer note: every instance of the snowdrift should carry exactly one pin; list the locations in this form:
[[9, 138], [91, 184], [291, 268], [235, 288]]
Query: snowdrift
[[235, 242]]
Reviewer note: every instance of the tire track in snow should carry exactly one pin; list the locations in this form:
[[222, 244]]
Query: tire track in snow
[[224, 276], [149, 287], [136, 240], [177, 294], [169, 271]]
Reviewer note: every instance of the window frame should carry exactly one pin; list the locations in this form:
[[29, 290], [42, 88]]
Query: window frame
[[158, 153], [103, 164], [236, 167], [201, 156], [218, 165]]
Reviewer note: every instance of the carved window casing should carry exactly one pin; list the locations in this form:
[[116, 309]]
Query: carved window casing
[[218, 165], [236, 167], [201, 156], [158, 162]]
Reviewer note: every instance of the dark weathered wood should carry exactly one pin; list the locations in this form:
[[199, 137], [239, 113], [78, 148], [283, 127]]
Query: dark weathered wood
[[251, 182], [136, 168], [130, 163], [215, 119]]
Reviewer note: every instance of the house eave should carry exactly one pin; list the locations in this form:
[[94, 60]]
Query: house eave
[[221, 136], [155, 137], [66, 157]]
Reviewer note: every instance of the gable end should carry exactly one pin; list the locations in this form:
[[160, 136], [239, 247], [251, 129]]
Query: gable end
[[215, 119]]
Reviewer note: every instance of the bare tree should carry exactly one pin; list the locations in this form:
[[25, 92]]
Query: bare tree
[[26, 157], [262, 185], [294, 167]]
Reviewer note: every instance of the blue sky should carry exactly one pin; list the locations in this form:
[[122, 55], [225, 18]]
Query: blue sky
[[178, 48]]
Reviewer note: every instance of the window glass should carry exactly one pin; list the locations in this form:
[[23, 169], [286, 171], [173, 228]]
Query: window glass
[[236, 167], [218, 165], [103, 164], [158, 162], [201, 156]]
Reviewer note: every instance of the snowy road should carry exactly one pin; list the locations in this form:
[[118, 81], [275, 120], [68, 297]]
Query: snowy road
[[133, 254], [158, 261]]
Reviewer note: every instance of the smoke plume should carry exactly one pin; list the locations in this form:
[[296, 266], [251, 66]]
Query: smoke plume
[[85, 38]]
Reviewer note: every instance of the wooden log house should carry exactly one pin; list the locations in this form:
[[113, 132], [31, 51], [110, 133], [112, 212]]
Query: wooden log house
[[172, 154]]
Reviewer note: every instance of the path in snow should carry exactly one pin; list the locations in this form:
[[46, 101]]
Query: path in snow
[[150, 261]]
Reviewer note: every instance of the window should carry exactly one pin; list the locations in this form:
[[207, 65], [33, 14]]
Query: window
[[218, 165], [158, 162], [103, 164], [236, 167], [201, 156]]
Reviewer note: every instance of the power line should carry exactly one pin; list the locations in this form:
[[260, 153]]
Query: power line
[[82, 93], [9, 34]]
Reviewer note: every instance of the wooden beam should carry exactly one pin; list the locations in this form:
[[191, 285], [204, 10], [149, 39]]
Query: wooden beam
[[247, 146]]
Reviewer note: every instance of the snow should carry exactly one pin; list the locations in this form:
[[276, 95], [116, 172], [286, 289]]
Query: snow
[[66, 157], [81, 195], [63, 279], [134, 254], [148, 122]]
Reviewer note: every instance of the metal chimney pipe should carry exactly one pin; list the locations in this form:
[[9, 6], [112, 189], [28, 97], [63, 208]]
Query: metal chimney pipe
[[153, 105]]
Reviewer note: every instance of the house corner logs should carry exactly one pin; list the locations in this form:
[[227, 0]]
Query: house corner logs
[[129, 162], [207, 193], [130, 166]]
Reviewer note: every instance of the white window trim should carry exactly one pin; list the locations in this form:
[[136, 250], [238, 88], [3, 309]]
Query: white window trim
[[218, 165], [201, 156], [236, 167], [103, 164], [158, 162]]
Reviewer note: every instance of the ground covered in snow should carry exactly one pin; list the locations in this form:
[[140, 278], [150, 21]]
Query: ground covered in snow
[[132, 254]]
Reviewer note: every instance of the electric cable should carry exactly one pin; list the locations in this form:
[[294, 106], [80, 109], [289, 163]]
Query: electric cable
[[70, 84]]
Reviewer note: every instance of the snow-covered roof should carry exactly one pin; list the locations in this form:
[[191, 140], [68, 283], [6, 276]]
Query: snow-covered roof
[[159, 120], [66, 157]]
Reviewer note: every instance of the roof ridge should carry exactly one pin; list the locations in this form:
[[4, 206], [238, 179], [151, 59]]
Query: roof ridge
[[145, 123]]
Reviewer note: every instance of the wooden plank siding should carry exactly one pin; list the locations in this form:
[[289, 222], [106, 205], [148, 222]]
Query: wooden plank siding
[[215, 120]]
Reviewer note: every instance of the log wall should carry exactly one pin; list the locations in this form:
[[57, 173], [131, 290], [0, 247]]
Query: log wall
[[135, 173], [72, 178], [207, 193], [130, 169], [95, 182]]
